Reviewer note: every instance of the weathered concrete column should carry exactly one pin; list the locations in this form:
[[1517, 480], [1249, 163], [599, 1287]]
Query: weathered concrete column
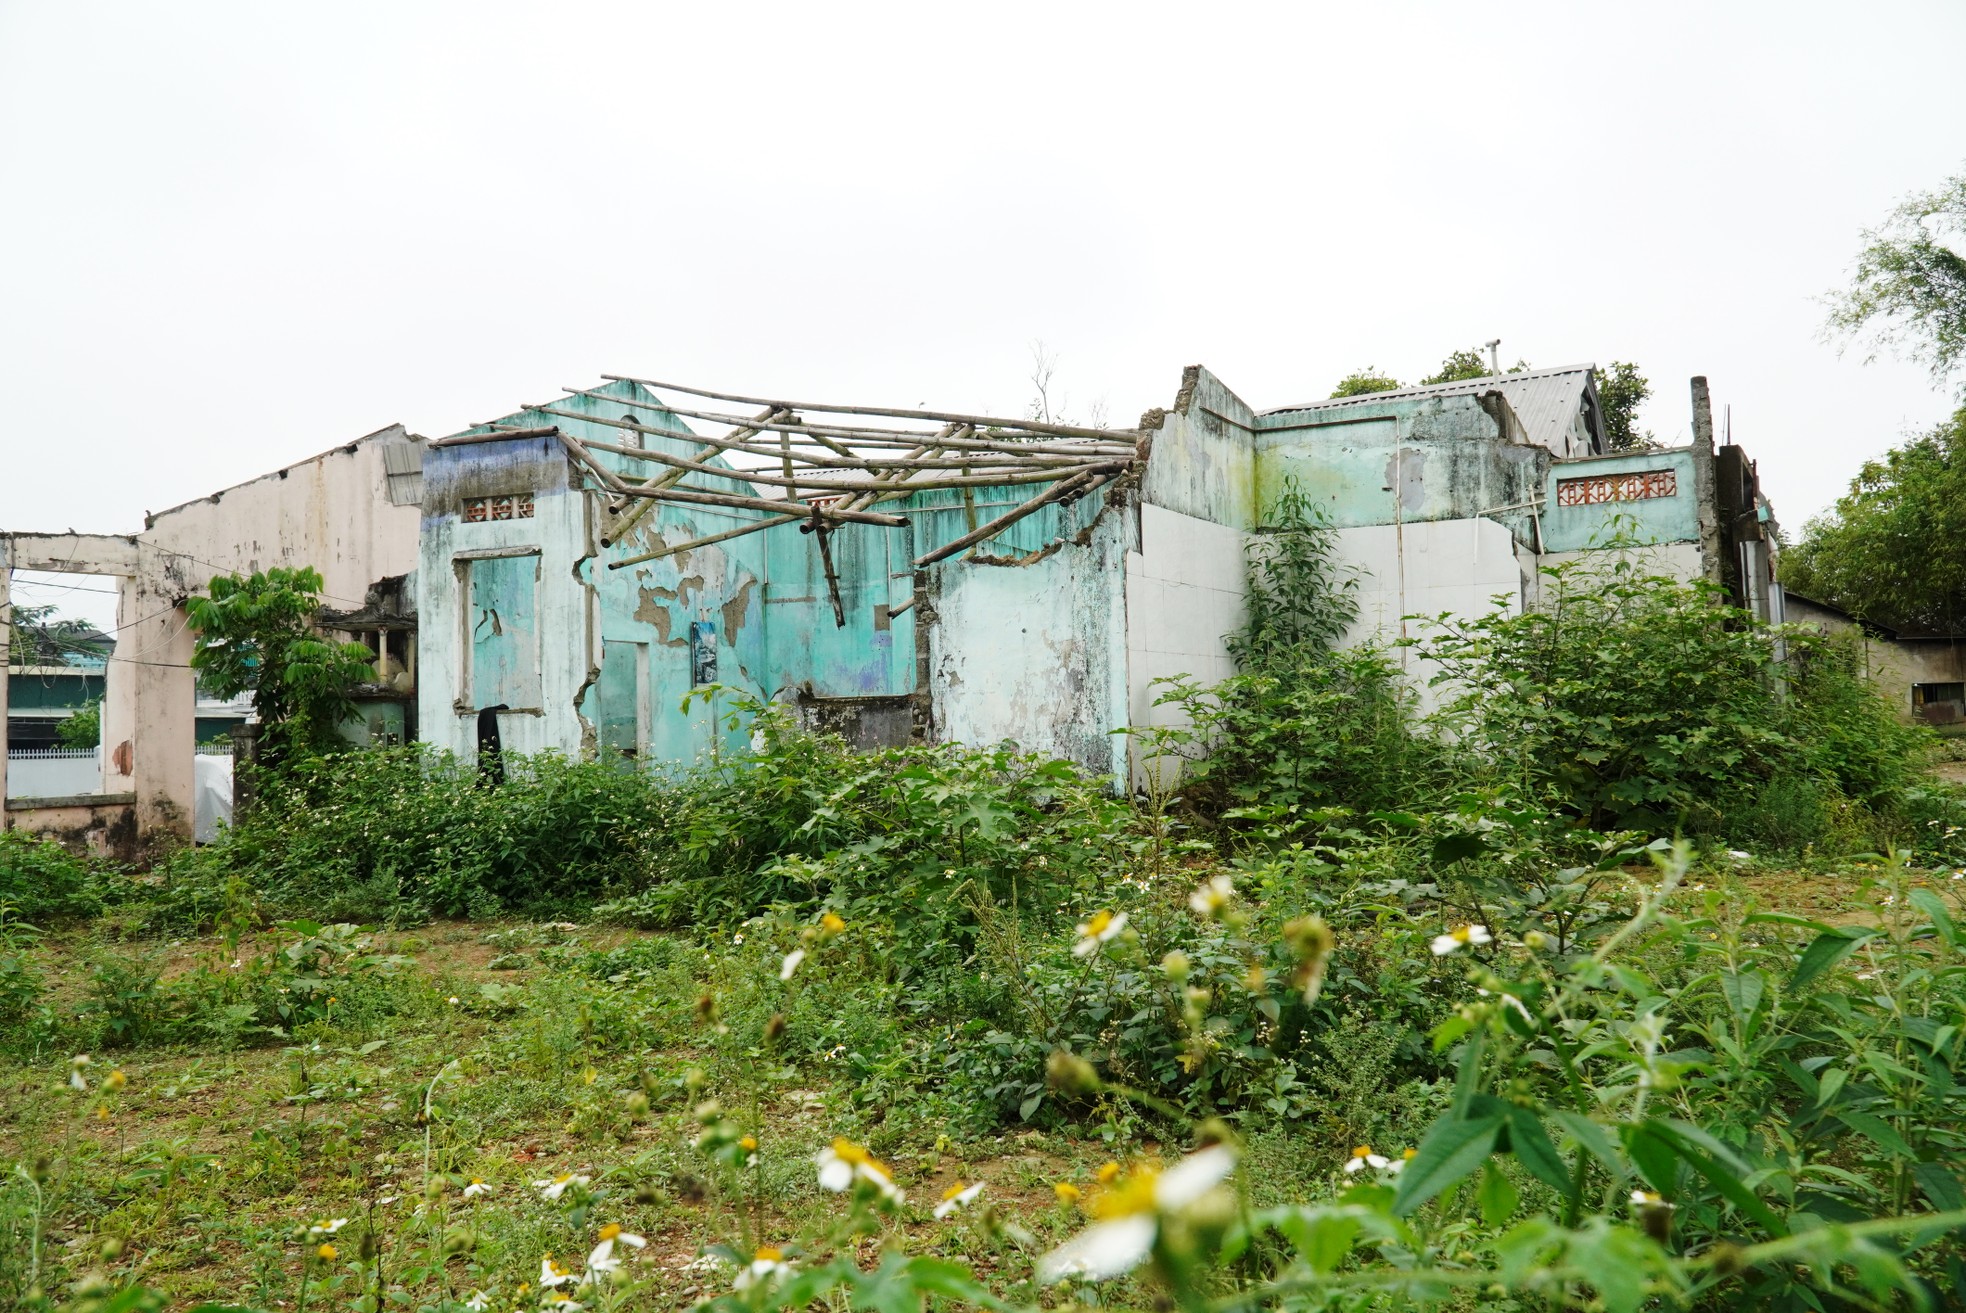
[[1705, 490], [155, 650]]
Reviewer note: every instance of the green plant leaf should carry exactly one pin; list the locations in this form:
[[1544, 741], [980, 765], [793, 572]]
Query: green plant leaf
[[1941, 1187], [1451, 848], [1593, 1138], [1496, 1197], [1653, 1155], [1826, 951], [1743, 992], [1878, 1131], [1933, 906], [1533, 1148], [1451, 1149]]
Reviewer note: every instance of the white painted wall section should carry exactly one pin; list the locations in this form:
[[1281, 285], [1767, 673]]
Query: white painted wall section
[[1184, 597], [1451, 567]]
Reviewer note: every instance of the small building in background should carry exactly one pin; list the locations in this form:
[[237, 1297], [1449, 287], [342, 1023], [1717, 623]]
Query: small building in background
[[1922, 675]]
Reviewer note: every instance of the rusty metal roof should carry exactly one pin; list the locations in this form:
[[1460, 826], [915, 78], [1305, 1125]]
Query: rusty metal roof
[[1546, 401]]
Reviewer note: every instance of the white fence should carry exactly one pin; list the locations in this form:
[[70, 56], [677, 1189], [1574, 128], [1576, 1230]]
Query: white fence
[[65, 772], [52, 772]]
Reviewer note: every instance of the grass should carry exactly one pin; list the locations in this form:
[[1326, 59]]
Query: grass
[[199, 1176]]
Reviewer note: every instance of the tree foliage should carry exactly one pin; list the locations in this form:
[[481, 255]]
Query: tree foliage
[[1362, 381], [1620, 391], [41, 638], [1908, 293], [1894, 549], [258, 635], [84, 728]]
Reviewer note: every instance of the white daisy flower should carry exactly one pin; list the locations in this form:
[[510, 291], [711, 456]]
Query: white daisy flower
[[955, 1197], [766, 1266], [1454, 940], [1215, 893], [476, 1188], [553, 1189], [1097, 931], [478, 1302], [791, 963], [1131, 1215], [602, 1260], [328, 1227], [846, 1162], [551, 1274], [1363, 1157]]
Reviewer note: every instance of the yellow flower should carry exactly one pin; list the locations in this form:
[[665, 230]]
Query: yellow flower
[[831, 923], [1108, 1173], [326, 1253], [1067, 1192], [115, 1080], [749, 1144]]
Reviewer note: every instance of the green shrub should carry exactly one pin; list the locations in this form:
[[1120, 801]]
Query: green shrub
[[42, 881], [1639, 701]]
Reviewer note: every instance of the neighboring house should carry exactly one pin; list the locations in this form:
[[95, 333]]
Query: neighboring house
[[547, 623], [46, 694], [1922, 675]]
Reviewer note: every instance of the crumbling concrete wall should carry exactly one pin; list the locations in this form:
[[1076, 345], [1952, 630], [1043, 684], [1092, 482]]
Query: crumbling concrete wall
[[333, 512], [1037, 653]]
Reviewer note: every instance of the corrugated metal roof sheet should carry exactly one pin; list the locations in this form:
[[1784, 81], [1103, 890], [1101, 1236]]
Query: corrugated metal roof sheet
[[1545, 400]]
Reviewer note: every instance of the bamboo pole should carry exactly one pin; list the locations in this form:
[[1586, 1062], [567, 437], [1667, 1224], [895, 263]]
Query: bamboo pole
[[704, 541], [585, 457], [1117, 439], [940, 416], [874, 463], [673, 476], [1078, 483], [899, 473], [838, 485], [694, 496]]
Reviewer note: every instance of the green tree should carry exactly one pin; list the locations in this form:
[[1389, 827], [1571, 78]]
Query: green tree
[[1908, 293], [1894, 549], [1361, 381], [40, 638], [1461, 366], [84, 728], [258, 635], [1620, 390]]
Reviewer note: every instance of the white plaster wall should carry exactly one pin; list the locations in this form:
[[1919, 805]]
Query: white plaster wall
[[1455, 567], [1036, 653], [1184, 596], [331, 512]]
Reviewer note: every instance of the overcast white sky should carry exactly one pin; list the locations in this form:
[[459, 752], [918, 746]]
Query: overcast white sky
[[236, 234]]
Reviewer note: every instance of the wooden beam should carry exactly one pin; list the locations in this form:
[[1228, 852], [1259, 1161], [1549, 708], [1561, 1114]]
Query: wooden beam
[[769, 507], [939, 416], [1078, 483], [704, 541], [1117, 439]]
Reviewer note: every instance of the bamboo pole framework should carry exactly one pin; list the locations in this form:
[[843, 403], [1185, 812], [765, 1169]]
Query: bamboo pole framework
[[818, 465]]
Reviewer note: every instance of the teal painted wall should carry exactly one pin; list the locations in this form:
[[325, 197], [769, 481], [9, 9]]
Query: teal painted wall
[[1651, 520], [1448, 454]]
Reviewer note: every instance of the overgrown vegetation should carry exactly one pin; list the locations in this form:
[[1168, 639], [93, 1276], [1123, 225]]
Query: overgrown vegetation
[[257, 634], [1376, 1001]]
